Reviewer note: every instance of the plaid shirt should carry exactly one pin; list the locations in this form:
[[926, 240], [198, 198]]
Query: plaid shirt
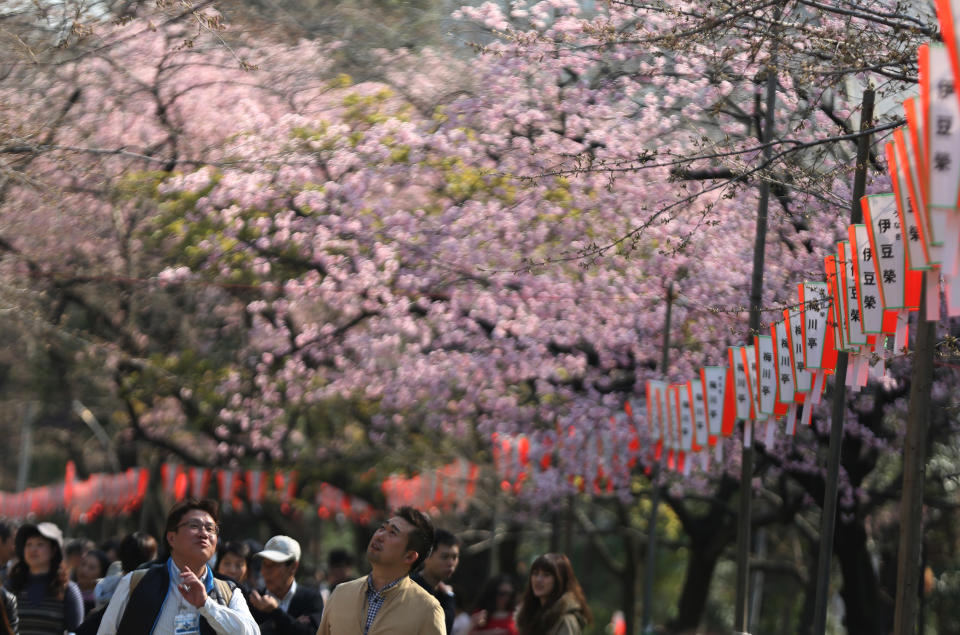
[[375, 600]]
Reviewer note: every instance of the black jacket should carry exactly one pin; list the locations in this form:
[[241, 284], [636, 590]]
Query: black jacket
[[303, 618], [447, 602], [8, 621]]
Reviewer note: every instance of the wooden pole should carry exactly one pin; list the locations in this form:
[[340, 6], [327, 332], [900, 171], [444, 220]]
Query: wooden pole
[[648, 577], [914, 474], [742, 608], [26, 445], [828, 517]]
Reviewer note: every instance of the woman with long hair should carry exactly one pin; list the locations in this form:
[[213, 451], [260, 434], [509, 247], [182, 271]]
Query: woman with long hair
[[92, 568], [553, 602], [47, 602], [493, 614]]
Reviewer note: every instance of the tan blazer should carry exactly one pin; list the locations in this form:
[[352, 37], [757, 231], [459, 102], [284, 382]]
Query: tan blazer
[[407, 610], [568, 625]]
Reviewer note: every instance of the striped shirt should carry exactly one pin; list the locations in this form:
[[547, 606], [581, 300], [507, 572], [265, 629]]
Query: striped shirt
[[41, 614], [375, 600]]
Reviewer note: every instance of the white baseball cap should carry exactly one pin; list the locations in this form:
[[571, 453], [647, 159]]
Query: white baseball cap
[[280, 549], [48, 530]]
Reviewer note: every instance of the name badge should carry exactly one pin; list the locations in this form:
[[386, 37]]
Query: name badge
[[186, 624]]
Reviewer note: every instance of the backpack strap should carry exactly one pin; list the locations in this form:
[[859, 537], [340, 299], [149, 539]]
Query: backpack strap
[[148, 592], [224, 590], [135, 578]]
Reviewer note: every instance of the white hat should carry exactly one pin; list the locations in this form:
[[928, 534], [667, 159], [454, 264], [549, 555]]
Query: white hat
[[51, 532], [280, 549], [48, 530]]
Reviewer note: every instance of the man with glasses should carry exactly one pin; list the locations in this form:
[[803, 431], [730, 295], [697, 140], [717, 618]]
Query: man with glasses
[[387, 600], [181, 596]]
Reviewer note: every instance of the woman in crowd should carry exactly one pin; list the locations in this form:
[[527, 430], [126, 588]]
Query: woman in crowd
[[93, 566], [493, 614], [134, 550], [553, 602], [234, 562], [47, 602]]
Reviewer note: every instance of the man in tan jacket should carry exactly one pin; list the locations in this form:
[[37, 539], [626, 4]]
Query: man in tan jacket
[[387, 601]]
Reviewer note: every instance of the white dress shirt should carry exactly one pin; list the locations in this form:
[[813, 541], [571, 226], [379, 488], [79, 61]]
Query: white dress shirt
[[285, 601], [233, 619]]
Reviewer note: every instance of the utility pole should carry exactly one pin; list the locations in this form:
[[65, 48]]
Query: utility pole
[[26, 445], [88, 418], [914, 474], [742, 608], [828, 518], [648, 577]]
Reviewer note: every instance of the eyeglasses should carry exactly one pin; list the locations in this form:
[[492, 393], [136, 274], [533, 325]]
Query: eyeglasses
[[195, 526]]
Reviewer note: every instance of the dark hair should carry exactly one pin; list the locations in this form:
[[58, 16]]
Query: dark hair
[[339, 558], [487, 600], [135, 549], [102, 559], [445, 538], [110, 544], [557, 565], [237, 548], [420, 538], [179, 510], [6, 530], [77, 546], [20, 572]]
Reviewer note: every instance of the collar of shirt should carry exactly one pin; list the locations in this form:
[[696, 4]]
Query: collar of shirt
[[174, 571], [375, 600], [286, 599]]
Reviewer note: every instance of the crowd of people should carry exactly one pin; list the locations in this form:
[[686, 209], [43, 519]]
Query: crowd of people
[[192, 584]]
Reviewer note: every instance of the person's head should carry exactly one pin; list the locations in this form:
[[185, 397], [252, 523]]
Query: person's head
[[39, 550], [7, 548], [234, 560], [192, 530], [111, 547], [40, 547], [278, 563], [499, 595], [73, 552], [339, 566], [551, 576], [402, 542], [92, 567], [135, 549], [443, 558]]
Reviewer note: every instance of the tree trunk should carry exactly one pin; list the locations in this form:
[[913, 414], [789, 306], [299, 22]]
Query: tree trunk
[[805, 627], [709, 535], [866, 610], [507, 550], [696, 587]]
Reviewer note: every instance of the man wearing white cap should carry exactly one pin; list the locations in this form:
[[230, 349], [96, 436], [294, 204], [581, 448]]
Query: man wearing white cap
[[284, 607]]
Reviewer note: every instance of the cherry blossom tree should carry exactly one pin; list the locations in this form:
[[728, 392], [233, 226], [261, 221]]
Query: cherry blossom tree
[[702, 65], [90, 126], [258, 259]]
